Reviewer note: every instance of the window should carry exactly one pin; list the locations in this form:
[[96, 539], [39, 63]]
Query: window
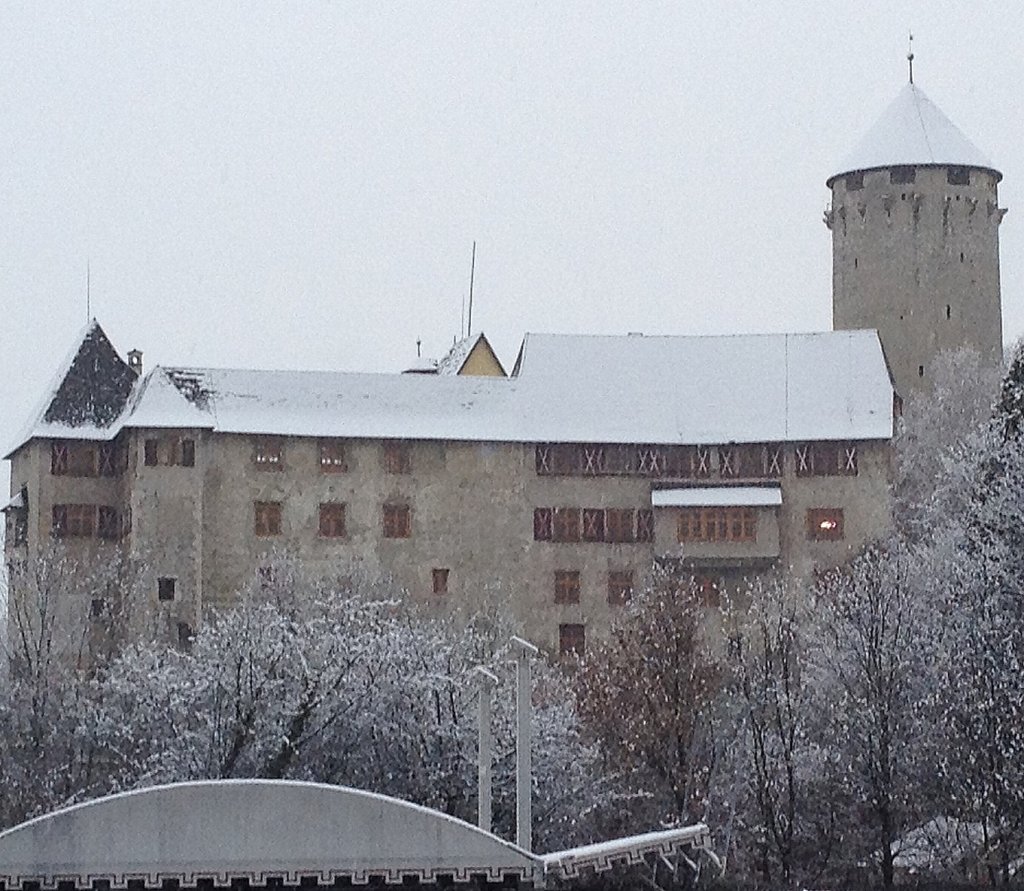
[[619, 525], [572, 639], [74, 520], [267, 518], [902, 175], [184, 635], [440, 580], [396, 457], [542, 524], [593, 524], [707, 524], [110, 459], [567, 586], [332, 456], [268, 453], [620, 586], [165, 589], [825, 523], [826, 459], [645, 525], [109, 523], [397, 521], [185, 452], [958, 176], [855, 181], [332, 520], [565, 524], [73, 458], [150, 452], [17, 526], [58, 458]]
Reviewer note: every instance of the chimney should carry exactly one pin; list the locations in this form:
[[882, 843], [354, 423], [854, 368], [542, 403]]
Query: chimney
[[135, 361]]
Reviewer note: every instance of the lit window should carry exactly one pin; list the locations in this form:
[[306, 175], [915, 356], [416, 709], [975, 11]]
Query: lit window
[[332, 456], [332, 520], [267, 518], [440, 580], [397, 521], [567, 586], [268, 453], [165, 589], [825, 523]]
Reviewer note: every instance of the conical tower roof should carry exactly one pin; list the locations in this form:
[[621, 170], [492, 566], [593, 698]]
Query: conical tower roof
[[912, 131]]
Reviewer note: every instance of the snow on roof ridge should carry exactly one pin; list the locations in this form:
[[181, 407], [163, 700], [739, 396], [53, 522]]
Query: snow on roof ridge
[[913, 131]]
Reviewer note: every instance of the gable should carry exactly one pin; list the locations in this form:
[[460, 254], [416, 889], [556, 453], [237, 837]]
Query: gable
[[95, 387]]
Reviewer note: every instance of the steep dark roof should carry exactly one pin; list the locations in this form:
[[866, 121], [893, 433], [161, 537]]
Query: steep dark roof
[[95, 386]]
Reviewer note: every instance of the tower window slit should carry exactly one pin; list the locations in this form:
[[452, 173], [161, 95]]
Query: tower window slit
[[949, 311]]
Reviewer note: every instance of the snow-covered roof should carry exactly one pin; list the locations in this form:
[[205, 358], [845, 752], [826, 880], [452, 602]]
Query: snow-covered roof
[[634, 849], [663, 390], [734, 388], [912, 131], [456, 357], [717, 496], [252, 830]]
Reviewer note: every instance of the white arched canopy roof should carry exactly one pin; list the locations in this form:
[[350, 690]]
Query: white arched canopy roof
[[255, 830]]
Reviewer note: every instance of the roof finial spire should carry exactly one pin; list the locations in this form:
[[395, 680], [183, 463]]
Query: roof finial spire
[[910, 55]]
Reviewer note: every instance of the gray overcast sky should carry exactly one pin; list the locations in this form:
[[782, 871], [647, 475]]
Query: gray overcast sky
[[297, 185]]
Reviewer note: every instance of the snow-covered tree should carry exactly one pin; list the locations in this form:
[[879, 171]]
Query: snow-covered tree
[[869, 665], [649, 694]]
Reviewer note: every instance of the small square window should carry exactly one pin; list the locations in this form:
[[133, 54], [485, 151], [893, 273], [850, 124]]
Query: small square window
[[825, 523], [332, 520], [620, 586], [332, 456], [397, 521], [268, 453], [165, 589], [572, 639], [396, 457], [267, 518], [440, 581], [150, 452], [567, 586]]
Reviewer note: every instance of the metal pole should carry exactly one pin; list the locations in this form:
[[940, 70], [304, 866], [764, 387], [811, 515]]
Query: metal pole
[[524, 651], [486, 682]]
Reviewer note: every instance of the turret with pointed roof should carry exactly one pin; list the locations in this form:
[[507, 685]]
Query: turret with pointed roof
[[915, 239]]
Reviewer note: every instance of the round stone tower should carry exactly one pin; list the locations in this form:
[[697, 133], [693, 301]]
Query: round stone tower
[[915, 240]]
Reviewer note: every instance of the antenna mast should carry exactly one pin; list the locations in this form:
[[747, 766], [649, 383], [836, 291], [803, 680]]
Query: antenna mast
[[472, 273], [910, 55], [88, 292]]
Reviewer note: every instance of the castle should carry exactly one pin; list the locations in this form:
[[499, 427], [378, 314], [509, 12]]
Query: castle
[[554, 490]]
